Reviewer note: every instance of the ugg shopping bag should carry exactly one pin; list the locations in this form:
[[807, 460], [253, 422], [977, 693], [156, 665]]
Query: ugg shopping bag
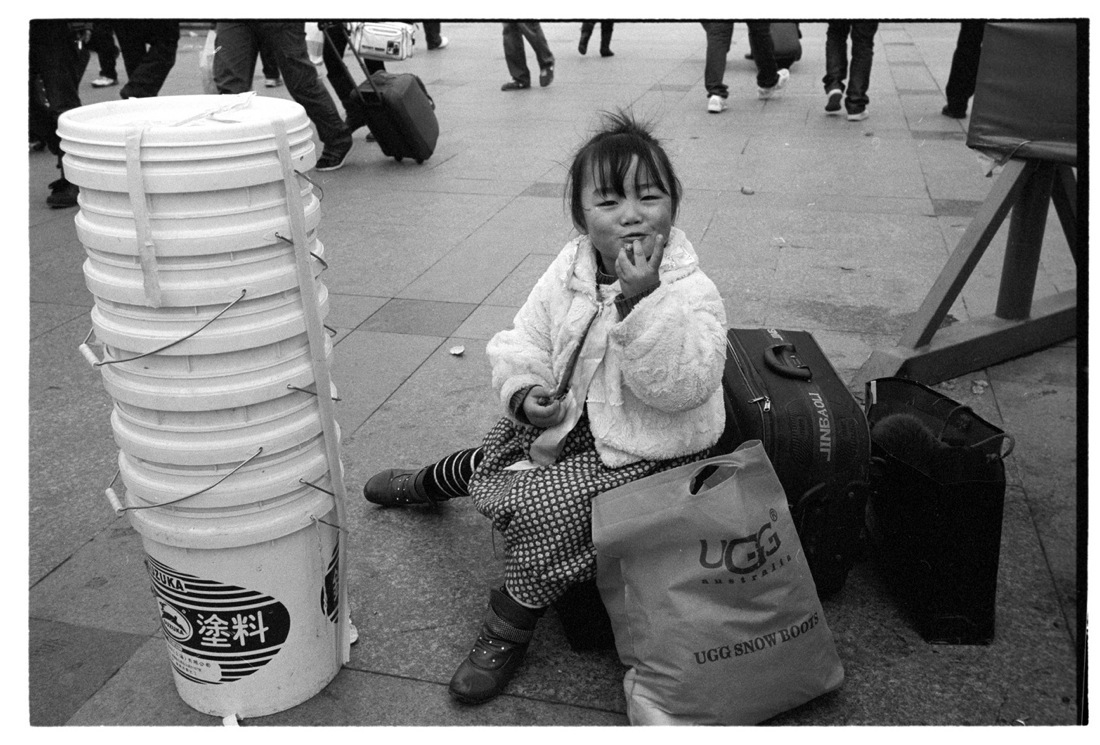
[[712, 604]]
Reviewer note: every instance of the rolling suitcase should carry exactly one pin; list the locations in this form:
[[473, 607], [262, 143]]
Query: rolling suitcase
[[398, 111], [788, 47], [781, 389]]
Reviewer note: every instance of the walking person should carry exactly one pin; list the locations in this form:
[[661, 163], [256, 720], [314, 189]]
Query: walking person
[[770, 79], [516, 57], [148, 53], [611, 372], [837, 69], [606, 28], [963, 78], [54, 72], [235, 66]]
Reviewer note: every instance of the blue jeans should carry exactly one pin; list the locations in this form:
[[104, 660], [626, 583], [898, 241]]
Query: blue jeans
[[515, 55], [719, 34], [235, 66], [836, 61]]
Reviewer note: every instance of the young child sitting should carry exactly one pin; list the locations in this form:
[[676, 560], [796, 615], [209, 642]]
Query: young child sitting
[[611, 373]]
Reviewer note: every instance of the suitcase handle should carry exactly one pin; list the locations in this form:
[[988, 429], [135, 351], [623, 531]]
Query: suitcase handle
[[783, 365]]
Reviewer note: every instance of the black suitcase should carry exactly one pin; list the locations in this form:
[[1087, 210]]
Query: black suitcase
[[781, 389], [788, 46], [398, 111]]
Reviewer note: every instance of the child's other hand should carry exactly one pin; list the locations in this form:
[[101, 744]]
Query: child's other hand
[[639, 264], [542, 414]]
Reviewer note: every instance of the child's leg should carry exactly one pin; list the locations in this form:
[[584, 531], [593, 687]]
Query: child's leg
[[443, 480]]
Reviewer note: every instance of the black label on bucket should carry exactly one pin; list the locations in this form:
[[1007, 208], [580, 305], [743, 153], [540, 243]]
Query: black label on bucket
[[216, 633], [330, 593]]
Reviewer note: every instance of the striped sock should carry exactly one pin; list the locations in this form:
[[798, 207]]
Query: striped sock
[[450, 477]]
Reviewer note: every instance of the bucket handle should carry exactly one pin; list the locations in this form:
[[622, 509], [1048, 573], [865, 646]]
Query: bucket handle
[[323, 263], [116, 503], [291, 387], [96, 362]]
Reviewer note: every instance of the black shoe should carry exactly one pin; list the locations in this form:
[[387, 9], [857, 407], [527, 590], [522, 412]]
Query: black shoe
[[832, 105], [546, 76], [334, 156], [398, 488], [582, 47], [606, 52], [514, 85], [953, 113], [62, 194], [498, 651]]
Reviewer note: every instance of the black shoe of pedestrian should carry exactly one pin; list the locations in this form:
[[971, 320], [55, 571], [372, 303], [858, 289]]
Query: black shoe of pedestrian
[[546, 76], [582, 46], [498, 651], [514, 85], [62, 194], [832, 106], [606, 52], [334, 156], [953, 113]]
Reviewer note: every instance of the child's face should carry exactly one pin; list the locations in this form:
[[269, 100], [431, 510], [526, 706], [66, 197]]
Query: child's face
[[614, 222]]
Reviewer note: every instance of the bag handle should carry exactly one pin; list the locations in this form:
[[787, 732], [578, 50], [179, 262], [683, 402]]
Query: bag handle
[[783, 365], [1000, 435]]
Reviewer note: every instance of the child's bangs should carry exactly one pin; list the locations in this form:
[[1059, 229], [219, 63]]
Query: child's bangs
[[610, 162]]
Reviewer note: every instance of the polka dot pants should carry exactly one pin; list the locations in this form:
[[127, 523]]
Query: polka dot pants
[[545, 514]]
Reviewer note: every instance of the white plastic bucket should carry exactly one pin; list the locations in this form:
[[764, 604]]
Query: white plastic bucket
[[244, 324], [194, 223], [257, 477], [218, 436], [249, 605], [185, 146], [211, 381], [208, 279]]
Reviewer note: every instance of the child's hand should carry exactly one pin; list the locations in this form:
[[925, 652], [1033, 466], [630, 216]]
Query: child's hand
[[539, 413], [638, 265]]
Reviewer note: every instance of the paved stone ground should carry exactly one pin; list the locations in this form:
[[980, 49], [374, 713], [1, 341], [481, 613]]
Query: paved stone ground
[[803, 221]]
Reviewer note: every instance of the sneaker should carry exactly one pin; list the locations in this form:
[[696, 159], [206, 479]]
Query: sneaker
[[716, 104], [832, 106], [784, 76], [514, 85], [104, 82], [953, 113], [443, 41], [62, 194], [273, 82], [334, 156], [546, 76], [858, 116]]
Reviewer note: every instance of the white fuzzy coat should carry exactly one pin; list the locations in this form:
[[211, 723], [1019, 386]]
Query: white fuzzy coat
[[657, 394]]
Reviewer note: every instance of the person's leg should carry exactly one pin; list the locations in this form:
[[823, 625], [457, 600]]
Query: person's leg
[[763, 54], [515, 56], [533, 33], [445, 479], [964, 68], [859, 75], [288, 43], [836, 56], [131, 44], [586, 33], [606, 28], [267, 64], [162, 38], [53, 59], [103, 44], [719, 34], [336, 70], [235, 62], [432, 34]]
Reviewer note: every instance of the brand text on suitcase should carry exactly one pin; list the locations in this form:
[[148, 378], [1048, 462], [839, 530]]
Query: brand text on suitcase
[[824, 426]]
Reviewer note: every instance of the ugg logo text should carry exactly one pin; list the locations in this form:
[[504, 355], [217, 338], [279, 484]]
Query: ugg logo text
[[758, 643], [741, 555]]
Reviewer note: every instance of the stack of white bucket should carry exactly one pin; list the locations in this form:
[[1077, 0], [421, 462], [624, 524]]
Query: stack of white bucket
[[203, 259]]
